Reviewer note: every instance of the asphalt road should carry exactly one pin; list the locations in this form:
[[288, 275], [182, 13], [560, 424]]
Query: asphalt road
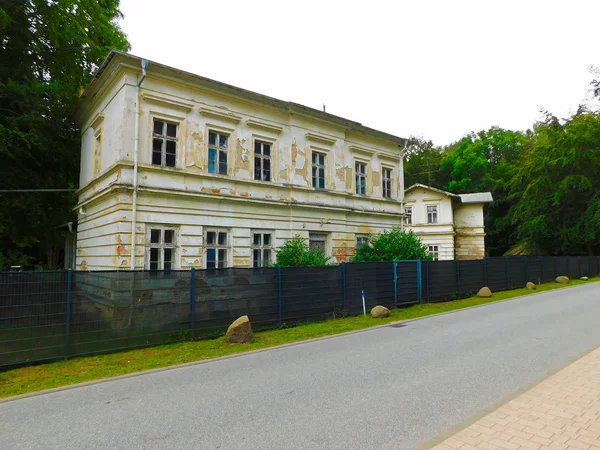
[[391, 387]]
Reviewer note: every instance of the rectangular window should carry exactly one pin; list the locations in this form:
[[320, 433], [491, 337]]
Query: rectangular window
[[432, 214], [216, 244], [164, 143], [217, 152], [262, 249], [361, 240], [318, 170], [361, 178], [387, 183], [262, 161], [161, 246], [434, 250], [316, 241], [408, 218]]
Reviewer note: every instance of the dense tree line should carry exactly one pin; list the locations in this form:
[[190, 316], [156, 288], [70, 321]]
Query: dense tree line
[[48, 52], [545, 182]]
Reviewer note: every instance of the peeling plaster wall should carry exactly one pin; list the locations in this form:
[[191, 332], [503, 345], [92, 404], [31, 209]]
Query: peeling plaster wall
[[191, 199], [470, 231]]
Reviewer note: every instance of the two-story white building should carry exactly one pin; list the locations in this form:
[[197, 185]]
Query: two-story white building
[[450, 225], [179, 171]]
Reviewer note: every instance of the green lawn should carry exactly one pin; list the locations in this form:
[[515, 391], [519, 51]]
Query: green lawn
[[77, 370]]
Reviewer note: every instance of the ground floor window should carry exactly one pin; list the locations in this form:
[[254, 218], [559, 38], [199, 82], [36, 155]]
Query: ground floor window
[[262, 249], [316, 241], [216, 248], [361, 240], [434, 250], [160, 248]]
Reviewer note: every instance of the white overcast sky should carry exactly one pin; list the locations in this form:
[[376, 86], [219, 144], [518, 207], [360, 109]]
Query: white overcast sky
[[436, 69]]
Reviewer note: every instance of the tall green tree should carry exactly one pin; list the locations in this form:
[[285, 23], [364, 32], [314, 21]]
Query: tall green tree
[[485, 161], [422, 164], [556, 189], [48, 52]]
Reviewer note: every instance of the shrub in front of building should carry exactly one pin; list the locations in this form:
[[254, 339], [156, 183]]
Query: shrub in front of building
[[392, 245]]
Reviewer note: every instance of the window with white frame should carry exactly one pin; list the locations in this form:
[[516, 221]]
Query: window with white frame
[[432, 214], [216, 248], [434, 251], [361, 240], [217, 152], [387, 183], [161, 246], [262, 161], [164, 143], [262, 249], [360, 170], [318, 170], [408, 211]]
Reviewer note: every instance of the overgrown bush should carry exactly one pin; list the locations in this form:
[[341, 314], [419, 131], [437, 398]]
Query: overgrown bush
[[391, 245], [295, 252]]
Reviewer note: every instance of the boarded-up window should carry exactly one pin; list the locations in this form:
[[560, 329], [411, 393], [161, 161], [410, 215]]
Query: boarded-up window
[[316, 241]]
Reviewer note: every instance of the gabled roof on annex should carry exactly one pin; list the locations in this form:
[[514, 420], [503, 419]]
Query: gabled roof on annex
[[115, 57], [477, 197]]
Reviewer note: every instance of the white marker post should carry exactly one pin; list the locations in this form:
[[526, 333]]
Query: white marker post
[[364, 306]]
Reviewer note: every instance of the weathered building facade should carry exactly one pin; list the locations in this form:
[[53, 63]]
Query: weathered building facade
[[179, 171], [450, 225]]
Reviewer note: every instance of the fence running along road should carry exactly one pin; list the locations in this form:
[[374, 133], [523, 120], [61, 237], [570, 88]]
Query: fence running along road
[[47, 316]]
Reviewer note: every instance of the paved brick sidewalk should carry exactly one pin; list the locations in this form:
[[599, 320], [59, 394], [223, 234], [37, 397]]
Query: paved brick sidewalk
[[562, 412]]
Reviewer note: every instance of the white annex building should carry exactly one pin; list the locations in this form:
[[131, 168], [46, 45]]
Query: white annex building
[[179, 171]]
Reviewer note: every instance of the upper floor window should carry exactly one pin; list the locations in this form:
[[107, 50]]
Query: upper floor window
[[408, 212], [262, 161], [432, 214], [216, 243], [318, 170], [217, 152], [387, 183], [161, 246], [434, 251], [262, 249], [361, 178], [164, 143]]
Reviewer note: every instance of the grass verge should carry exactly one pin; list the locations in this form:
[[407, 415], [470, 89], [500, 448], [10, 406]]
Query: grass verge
[[63, 373]]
